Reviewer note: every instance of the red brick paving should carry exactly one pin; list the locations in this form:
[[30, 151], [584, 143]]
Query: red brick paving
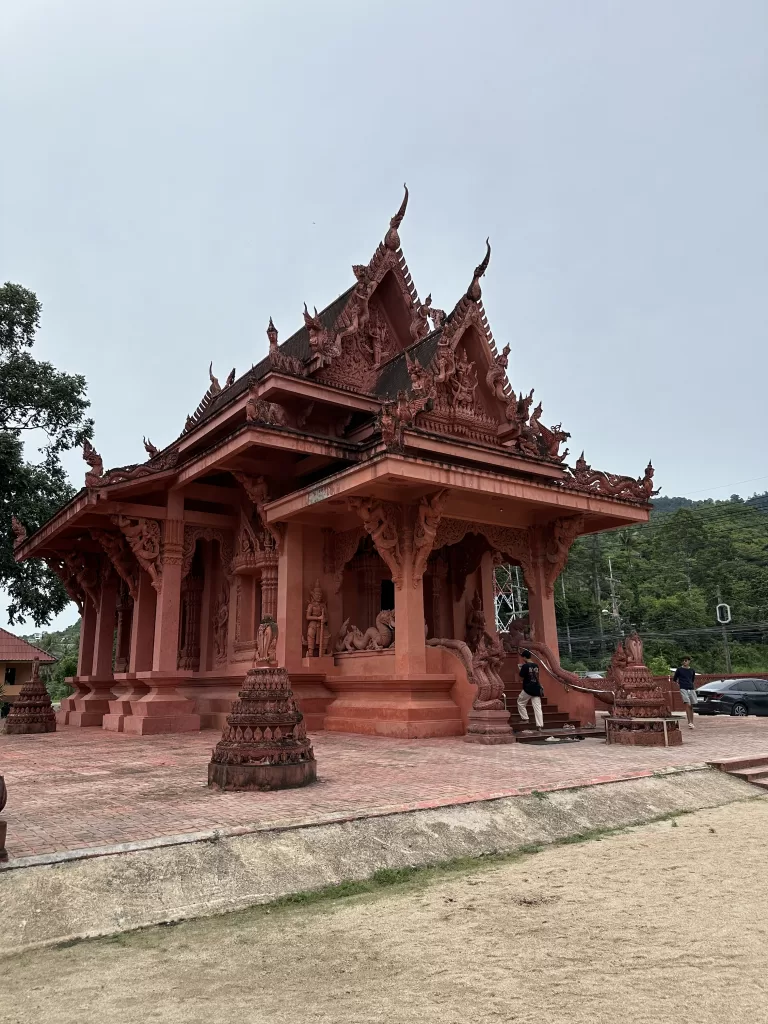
[[84, 788]]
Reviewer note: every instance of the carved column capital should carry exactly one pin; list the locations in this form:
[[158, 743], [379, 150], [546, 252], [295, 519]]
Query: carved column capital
[[554, 543]]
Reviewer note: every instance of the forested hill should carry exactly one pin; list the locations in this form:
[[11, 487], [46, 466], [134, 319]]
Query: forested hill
[[665, 579]]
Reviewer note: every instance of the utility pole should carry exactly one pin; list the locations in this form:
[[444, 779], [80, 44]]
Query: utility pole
[[615, 615], [598, 595], [567, 618], [723, 613]]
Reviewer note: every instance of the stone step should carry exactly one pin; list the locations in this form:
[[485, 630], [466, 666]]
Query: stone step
[[759, 771], [735, 763], [558, 734], [762, 783]]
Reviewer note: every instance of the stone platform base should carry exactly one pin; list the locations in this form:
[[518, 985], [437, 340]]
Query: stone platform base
[[489, 727], [261, 776], [635, 734], [29, 727], [412, 708]]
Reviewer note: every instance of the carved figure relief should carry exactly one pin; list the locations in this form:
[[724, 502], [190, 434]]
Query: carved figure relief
[[496, 377], [380, 523], [94, 460], [561, 535], [428, 516], [475, 622], [19, 532], [119, 554], [257, 489], [143, 536], [486, 665], [375, 638], [221, 623], [318, 636], [259, 411], [584, 478]]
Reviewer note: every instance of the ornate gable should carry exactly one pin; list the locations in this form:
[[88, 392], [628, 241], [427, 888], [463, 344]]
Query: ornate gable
[[461, 387], [382, 317]]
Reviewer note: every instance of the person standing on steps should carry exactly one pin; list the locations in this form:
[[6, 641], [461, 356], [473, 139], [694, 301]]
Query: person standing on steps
[[684, 677], [532, 691]]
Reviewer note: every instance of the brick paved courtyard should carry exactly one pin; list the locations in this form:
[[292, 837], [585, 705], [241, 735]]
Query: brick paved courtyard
[[86, 788]]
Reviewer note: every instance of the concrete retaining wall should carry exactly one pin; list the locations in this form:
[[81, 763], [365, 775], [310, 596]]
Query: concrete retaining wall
[[47, 900]]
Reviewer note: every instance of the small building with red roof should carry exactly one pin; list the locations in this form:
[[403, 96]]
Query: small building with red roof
[[16, 658]]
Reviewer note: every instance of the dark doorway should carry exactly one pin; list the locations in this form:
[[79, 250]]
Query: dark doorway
[[387, 595]]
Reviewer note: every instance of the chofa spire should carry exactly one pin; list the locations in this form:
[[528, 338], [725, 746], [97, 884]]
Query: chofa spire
[[392, 239], [474, 292]]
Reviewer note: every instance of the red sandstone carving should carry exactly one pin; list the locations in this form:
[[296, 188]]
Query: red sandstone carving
[[67, 577], [150, 449], [318, 636], [264, 744], [476, 626], [221, 623], [375, 638], [637, 697], [496, 377], [257, 489], [119, 554], [428, 516], [94, 460], [143, 536], [342, 547], [32, 710], [561, 535], [19, 532], [379, 520], [259, 411], [192, 534], [486, 663], [584, 478]]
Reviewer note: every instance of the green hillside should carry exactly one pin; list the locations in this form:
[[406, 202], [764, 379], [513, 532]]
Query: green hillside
[[663, 579]]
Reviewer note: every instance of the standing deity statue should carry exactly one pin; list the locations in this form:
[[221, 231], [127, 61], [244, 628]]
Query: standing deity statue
[[317, 622], [475, 622]]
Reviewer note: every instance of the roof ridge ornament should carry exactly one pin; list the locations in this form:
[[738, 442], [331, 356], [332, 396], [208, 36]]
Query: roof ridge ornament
[[474, 291], [392, 238]]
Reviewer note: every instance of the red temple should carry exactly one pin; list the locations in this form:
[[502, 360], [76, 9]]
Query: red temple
[[337, 511]]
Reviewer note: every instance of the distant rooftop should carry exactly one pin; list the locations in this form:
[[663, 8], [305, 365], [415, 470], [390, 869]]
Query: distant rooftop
[[13, 648]]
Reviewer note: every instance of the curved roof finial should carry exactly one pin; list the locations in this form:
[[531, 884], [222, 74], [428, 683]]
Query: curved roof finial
[[474, 292], [392, 239]]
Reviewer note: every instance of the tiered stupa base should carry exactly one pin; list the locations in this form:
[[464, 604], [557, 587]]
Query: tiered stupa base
[[639, 700], [264, 744], [32, 711]]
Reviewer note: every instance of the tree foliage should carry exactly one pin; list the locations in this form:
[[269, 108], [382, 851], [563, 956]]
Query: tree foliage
[[667, 579], [37, 401]]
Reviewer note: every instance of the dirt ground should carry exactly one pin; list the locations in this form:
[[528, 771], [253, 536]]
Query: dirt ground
[[663, 923]]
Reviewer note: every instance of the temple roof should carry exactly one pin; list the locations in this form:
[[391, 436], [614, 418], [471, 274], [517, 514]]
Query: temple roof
[[15, 648], [394, 377]]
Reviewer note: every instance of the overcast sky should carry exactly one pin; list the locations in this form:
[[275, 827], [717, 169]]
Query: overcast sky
[[176, 172]]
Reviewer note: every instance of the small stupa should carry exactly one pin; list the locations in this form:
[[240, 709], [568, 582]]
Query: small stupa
[[638, 699], [32, 710], [264, 744]]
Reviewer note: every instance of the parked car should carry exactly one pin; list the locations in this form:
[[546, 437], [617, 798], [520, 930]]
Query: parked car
[[739, 697]]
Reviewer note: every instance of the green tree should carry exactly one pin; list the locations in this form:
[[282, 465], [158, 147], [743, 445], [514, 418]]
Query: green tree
[[36, 401]]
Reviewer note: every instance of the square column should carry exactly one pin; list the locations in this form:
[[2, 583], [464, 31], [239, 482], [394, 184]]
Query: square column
[[84, 661], [163, 709], [139, 655], [290, 598], [410, 646], [487, 593], [91, 708]]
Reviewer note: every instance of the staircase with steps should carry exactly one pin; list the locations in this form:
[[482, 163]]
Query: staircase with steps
[[750, 769], [556, 723]]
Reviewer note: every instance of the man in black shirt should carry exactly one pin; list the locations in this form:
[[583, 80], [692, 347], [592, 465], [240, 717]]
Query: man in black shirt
[[684, 677], [532, 691]]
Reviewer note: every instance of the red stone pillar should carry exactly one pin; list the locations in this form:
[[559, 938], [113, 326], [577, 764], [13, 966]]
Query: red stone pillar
[[91, 708], [143, 626], [84, 662], [269, 592], [163, 709], [291, 598], [206, 607], [410, 646], [139, 655]]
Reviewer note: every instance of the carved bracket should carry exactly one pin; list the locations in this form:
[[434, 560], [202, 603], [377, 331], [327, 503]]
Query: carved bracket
[[380, 523], [557, 540], [428, 516], [514, 544], [143, 536], [119, 554]]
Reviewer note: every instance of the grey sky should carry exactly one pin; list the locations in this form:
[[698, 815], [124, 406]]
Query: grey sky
[[176, 172]]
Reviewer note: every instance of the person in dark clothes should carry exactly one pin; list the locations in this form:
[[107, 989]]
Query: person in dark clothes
[[532, 691], [684, 677]]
